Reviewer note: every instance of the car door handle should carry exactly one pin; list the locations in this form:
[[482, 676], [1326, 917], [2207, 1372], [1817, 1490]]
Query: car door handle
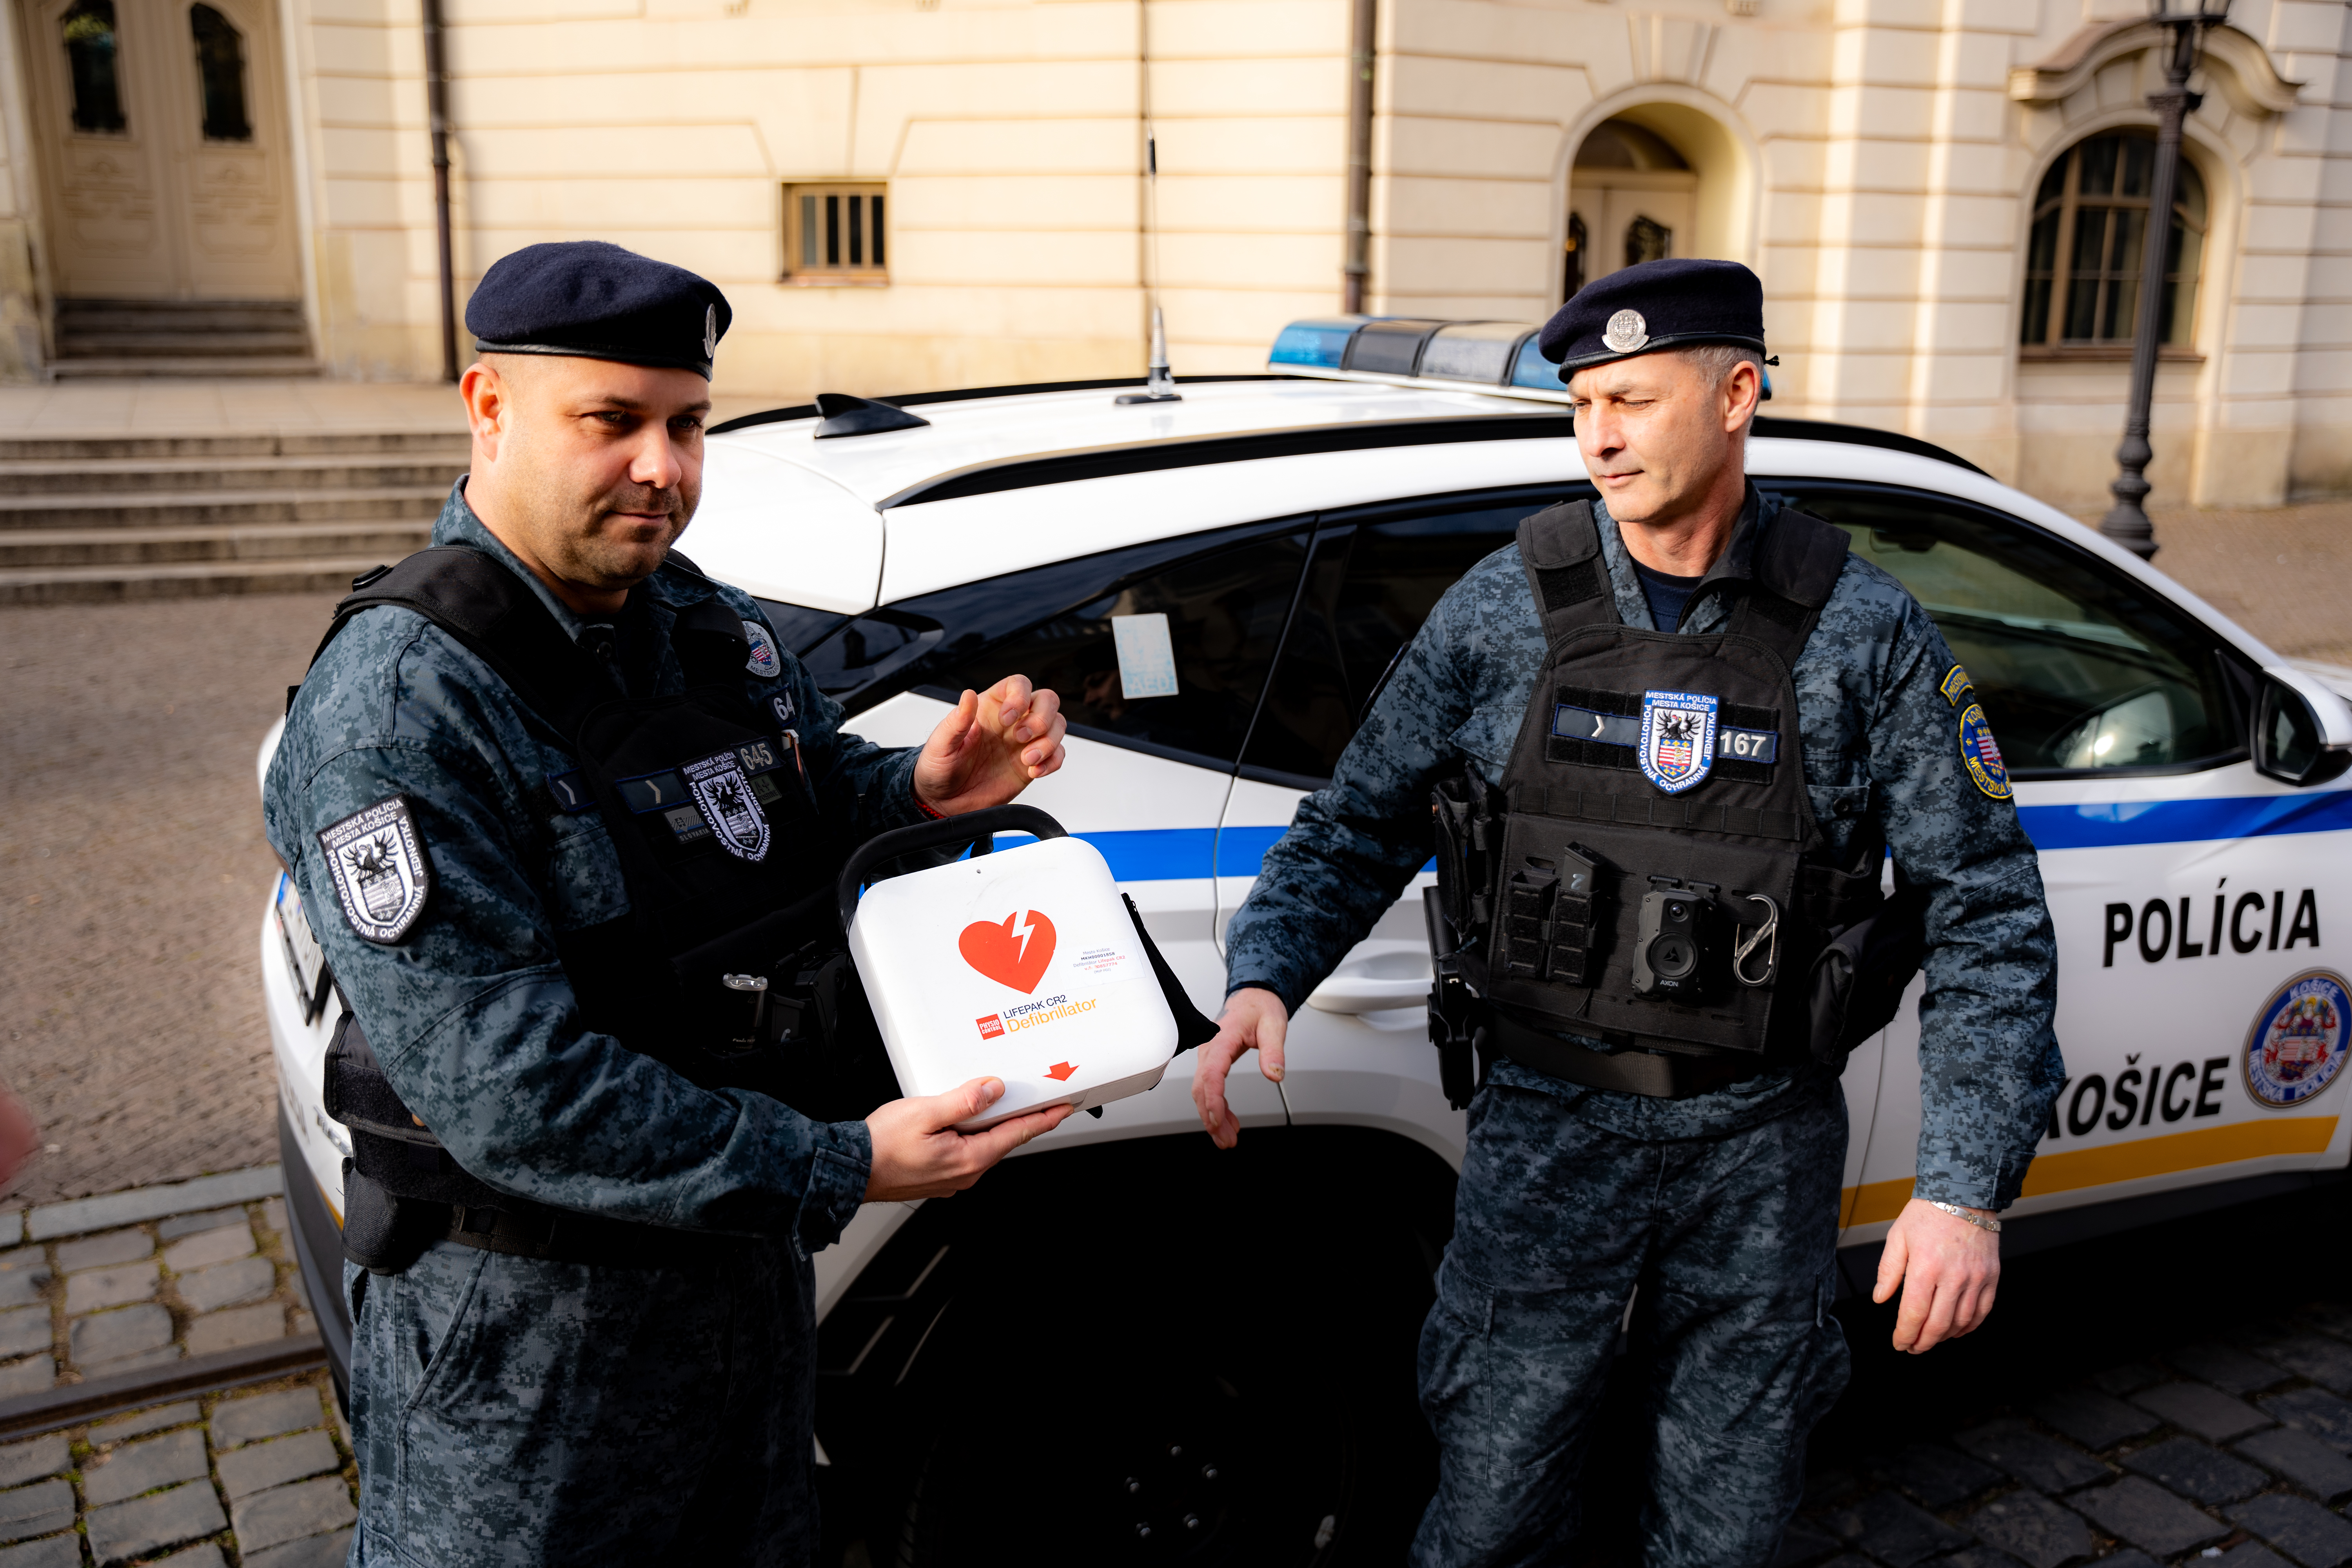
[[1390, 975]]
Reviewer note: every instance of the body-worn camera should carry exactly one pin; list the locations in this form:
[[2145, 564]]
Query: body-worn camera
[[1688, 947]]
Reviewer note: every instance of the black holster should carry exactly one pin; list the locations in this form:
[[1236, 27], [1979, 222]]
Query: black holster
[[1857, 982], [1455, 1025]]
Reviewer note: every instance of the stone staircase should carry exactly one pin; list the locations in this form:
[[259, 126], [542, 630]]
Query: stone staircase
[[133, 517], [180, 338]]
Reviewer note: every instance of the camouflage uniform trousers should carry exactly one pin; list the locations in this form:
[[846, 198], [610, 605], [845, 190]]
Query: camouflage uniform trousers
[[508, 1411], [1732, 1240]]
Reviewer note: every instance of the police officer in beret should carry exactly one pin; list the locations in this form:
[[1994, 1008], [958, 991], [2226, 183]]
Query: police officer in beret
[[1668, 741], [558, 806]]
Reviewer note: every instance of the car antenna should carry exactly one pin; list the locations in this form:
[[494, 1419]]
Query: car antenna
[[1159, 386]]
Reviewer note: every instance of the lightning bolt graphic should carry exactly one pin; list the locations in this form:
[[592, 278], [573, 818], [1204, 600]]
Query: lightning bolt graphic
[[1022, 930]]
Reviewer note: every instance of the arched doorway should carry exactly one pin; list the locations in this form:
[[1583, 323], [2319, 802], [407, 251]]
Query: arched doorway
[[164, 150], [1631, 197]]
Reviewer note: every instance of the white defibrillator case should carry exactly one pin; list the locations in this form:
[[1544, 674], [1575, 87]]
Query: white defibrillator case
[[1023, 964]]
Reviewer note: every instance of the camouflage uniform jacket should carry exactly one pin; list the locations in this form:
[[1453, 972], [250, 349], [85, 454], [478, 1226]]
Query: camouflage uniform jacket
[[471, 1015], [1879, 739]]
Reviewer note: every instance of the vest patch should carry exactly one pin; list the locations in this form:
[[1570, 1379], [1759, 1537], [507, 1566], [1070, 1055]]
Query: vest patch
[[382, 877], [1955, 685], [571, 792], [723, 791], [1731, 741], [1982, 753], [764, 661], [1676, 748]]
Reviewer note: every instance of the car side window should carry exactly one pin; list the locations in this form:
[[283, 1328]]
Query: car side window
[[2080, 668], [1377, 574]]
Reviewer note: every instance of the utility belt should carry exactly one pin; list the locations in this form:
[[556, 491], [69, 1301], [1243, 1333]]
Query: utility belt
[[1692, 943], [381, 1229]]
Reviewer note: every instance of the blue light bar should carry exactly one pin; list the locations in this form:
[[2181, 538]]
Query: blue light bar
[[1532, 370], [1320, 344]]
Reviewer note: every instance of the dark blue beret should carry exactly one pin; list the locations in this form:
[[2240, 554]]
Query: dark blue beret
[[590, 299], [1639, 310]]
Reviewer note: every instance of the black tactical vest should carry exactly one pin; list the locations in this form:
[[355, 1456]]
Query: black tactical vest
[[1649, 874]]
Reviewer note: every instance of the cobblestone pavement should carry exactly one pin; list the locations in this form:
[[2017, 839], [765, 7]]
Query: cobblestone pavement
[[261, 1476], [2281, 573], [133, 881]]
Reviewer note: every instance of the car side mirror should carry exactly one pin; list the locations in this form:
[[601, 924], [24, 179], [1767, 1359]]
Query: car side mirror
[[2287, 742]]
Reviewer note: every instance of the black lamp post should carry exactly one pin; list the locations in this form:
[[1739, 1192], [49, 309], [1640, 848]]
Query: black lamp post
[[2186, 20]]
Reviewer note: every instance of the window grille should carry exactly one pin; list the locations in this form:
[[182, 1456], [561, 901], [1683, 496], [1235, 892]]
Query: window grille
[[2085, 250], [837, 234]]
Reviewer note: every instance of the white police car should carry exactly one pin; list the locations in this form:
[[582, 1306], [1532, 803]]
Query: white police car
[[1123, 1345]]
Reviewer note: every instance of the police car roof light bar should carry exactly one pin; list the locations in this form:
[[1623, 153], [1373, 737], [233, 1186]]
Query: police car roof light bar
[[1499, 358]]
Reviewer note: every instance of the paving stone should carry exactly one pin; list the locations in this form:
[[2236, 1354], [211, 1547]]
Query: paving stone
[[2091, 1418], [273, 1216], [260, 1466], [237, 1241], [22, 1462], [99, 1251], [237, 1326], [2194, 1470], [1800, 1544], [2207, 1412], [2148, 1517], [78, 1215], [227, 1284], [1892, 1531], [205, 1556], [2030, 1526], [1829, 1485], [21, 1287], [2245, 1554], [1849, 1560], [2331, 1318], [29, 1376], [139, 1423], [12, 1227], [2228, 1368], [139, 1362], [136, 1468], [2127, 1378], [261, 1416], [35, 1509], [1979, 1557], [181, 1224], [2131, 1557], [309, 1508], [148, 1524], [2298, 1527], [1936, 1476], [2041, 1462], [2301, 1458], [2326, 1362], [100, 1288], [56, 1551], [2314, 1410], [319, 1552], [24, 1331], [109, 1335]]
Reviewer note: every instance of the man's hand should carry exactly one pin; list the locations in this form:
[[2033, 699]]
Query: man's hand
[[918, 1153], [1947, 1269], [1254, 1019], [988, 750]]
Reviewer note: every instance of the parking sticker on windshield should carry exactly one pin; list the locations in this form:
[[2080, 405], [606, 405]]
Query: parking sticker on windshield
[[2296, 1045], [1955, 685], [1147, 659], [381, 876], [1981, 752]]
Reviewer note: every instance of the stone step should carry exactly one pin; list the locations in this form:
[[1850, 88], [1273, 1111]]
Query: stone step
[[205, 367], [218, 509], [385, 538], [451, 445], [23, 479], [83, 584], [129, 339]]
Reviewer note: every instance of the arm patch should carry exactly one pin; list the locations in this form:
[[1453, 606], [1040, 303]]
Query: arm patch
[[382, 877]]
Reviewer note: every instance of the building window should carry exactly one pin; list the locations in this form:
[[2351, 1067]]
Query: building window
[[835, 233], [1576, 238], [1647, 240], [90, 59], [220, 75], [2083, 257]]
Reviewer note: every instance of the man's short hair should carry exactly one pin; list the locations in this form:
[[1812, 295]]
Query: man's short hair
[[1719, 360]]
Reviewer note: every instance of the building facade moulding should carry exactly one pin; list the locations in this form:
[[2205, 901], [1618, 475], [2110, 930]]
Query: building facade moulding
[[2236, 63]]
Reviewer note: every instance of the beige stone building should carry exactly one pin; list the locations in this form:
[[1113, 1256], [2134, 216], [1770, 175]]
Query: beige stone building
[[901, 195]]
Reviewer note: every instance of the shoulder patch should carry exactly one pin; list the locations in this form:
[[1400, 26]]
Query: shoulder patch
[[1955, 685], [781, 703], [381, 876], [1982, 753], [764, 661]]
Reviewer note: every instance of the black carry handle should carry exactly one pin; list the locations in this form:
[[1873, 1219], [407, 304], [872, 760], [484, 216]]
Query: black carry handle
[[973, 828]]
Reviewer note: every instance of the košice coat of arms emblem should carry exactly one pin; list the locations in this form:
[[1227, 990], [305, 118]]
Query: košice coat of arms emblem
[[2296, 1045], [382, 877], [723, 791], [1677, 743]]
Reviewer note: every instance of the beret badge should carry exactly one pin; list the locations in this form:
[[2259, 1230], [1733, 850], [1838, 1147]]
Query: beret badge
[[711, 331], [1626, 331]]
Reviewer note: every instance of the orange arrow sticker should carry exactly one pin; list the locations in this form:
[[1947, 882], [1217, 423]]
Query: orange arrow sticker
[[1061, 1069]]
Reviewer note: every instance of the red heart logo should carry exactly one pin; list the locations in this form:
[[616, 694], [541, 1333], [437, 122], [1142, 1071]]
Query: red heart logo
[[1013, 951]]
